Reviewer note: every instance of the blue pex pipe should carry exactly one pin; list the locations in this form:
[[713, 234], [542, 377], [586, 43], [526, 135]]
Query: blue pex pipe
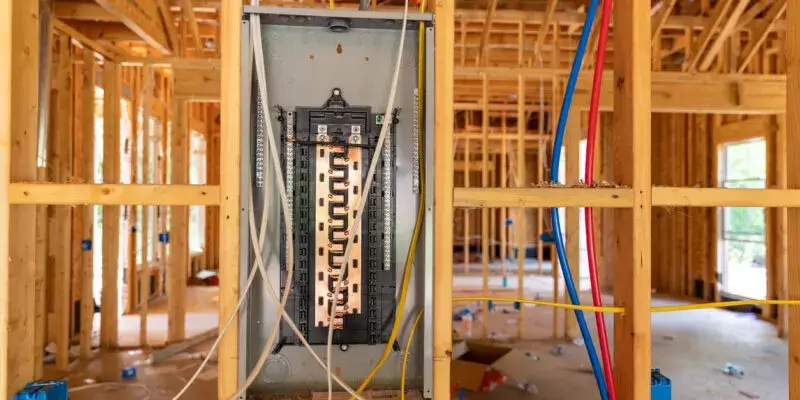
[[554, 166]]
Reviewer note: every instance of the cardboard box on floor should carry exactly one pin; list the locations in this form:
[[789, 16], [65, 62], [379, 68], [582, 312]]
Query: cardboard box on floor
[[473, 359]]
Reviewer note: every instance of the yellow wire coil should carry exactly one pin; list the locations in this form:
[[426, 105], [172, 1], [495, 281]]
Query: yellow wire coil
[[620, 310]]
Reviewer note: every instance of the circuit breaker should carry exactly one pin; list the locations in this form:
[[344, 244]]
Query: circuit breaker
[[327, 151]]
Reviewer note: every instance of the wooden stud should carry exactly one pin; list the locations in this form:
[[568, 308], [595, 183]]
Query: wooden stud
[[572, 144], [793, 182], [40, 286], [485, 184], [111, 214], [443, 199], [179, 226], [21, 108], [504, 214], [467, 212], [230, 143], [632, 339], [541, 156], [162, 176], [77, 173], [554, 261], [131, 272], [782, 220], [61, 164], [6, 97], [713, 230], [87, 225], [144, 278], [520, 221]]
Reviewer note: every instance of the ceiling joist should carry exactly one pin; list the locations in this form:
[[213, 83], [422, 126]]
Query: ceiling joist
[[712, 24], [760, 32], [144, 24], [725, 33]]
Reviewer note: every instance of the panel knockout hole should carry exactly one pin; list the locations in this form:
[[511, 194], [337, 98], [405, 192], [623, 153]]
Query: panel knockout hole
[[339, 25]]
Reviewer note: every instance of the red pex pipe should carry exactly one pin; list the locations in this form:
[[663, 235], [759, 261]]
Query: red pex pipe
[[589, 178]]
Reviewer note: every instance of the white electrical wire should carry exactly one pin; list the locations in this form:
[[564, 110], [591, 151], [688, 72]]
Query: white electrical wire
[[258, 239], [255, 22], [387, 118]]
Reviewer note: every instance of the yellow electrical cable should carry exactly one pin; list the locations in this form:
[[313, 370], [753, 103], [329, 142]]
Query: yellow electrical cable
[[722, 304], [405, 355], [619, 310], [417, 224], [606, 309], [331, 4]]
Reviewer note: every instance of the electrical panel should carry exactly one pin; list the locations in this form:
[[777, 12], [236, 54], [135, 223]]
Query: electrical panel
[[326, 154]]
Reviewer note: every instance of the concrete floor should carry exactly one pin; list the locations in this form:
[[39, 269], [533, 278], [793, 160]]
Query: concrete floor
[[689, 347]]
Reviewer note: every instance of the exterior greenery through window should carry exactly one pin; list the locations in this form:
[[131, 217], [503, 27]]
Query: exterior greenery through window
[[743, 165]]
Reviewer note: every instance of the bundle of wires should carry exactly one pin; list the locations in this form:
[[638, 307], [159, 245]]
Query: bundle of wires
[[605, 382]]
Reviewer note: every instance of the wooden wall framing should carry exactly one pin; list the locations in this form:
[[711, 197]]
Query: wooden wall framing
[[633, 100]]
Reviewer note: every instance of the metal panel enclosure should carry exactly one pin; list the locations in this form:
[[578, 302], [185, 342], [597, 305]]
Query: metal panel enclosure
[[304, 60]]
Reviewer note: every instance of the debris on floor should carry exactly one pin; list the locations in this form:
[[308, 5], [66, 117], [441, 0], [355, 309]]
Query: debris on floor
[[533, 356], [479, 367], [559, 350], [668, 337], [528, 387], [129, 373], [578, 341], [500, 337], [749, 395], [733, 370], [461, 313], [205, 278]]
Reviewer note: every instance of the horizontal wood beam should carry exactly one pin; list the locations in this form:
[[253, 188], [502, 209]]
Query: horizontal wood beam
[[750, 128], [565, 18], [108, 31], [542, 197], [173, 62], [677, 92], [112, 194], [719, 197], [105, 51], [197, 84], [82, 11], [623, 197]]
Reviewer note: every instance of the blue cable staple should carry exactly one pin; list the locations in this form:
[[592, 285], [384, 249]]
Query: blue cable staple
[[559, 239]]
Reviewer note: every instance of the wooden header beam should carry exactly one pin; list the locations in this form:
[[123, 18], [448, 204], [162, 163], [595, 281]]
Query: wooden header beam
[[675, 92]]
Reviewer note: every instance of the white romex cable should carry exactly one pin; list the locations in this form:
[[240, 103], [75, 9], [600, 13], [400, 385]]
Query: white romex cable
[[257, 240], [356, 223], [255, 23]]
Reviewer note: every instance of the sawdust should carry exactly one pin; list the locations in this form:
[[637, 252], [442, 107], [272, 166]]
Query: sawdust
[[578, 185]]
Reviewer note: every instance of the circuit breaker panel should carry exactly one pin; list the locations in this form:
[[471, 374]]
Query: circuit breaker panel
[[326, 154], [327, 76]]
